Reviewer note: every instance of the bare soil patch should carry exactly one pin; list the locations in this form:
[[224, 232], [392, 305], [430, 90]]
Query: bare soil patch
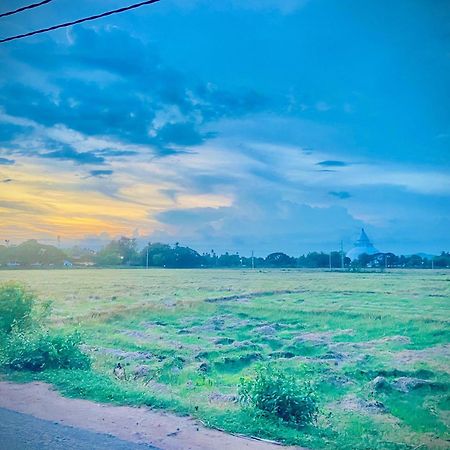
[[248, 296], [353, 403], [438, 352], [322, 337]]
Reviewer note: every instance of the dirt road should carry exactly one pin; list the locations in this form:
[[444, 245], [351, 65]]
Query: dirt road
[[134, 425], [24, 432]]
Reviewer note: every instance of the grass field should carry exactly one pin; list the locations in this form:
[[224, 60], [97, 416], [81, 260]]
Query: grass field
[[376, 345]]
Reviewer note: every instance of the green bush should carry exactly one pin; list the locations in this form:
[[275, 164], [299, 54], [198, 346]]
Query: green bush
[[16, 307], [24, 342], [40, 350], [277, 393]]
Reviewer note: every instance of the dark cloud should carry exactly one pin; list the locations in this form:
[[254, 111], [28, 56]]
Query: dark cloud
[[6, 180], [101, 173], [6, 162], [109, 83], [332, 163], [340, 194], [69, 154], [218, 103], [184, 134], [260, 220], [115, 153]]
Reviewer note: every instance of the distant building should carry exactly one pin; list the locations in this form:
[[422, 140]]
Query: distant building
[[13, 264], [362, 245]]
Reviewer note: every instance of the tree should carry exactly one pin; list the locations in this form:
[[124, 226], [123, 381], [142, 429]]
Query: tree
[[227, 260], [414, 261], [163, 255], [336, 260], [314, 260], [280, 260], [363, 260], [122, 251], [16, 305], [32, 252], [185, 257], [443, 260], [159, 255]]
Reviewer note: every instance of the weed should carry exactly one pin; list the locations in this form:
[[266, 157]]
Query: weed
[[16, 305], [279, 394], [40, 350], [26, 345]]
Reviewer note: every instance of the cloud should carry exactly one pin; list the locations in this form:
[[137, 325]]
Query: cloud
[[9, 131], [101, 173], [340, 194], [191, 216], [6, 180], [105, 82], [170, 193], [61, 142], [182, 134], [21, 206], [68, 154], [6, 162], [267, 225], [332, 163], [116, 153], [192, 160]]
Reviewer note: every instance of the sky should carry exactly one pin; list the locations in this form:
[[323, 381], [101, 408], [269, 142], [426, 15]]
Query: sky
[[265, 125]]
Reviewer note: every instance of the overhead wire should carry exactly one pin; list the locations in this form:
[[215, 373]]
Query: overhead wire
[[75, 22], [24, 8]]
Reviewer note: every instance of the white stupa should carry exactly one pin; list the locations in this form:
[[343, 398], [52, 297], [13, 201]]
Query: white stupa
[[362, 245]]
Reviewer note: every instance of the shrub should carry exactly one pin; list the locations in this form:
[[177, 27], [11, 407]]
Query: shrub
[[43, 350], [279, 394], [16, 306], [25, 344]]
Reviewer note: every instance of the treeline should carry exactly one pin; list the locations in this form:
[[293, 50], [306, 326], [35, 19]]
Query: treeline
[[124, 252], [31, 253], [390, 260]]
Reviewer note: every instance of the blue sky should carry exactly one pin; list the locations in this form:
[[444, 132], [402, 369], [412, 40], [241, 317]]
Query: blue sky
[[233, 125]]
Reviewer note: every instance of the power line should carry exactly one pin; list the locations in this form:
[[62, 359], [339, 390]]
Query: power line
[[24, 8], [75, 22]]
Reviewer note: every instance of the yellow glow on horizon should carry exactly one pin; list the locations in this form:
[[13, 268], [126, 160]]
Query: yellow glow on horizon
[[43, 200]]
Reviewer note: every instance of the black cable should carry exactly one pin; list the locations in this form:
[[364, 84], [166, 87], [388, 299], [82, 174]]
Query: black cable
[[85, 19], [34, 5]]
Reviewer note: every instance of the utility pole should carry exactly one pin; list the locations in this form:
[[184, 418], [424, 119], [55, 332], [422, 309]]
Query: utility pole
[[342, 255], [147, 256], [330, 261], [253, 260]]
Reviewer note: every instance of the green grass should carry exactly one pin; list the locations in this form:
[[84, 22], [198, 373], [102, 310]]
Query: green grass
[[340, 330]]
